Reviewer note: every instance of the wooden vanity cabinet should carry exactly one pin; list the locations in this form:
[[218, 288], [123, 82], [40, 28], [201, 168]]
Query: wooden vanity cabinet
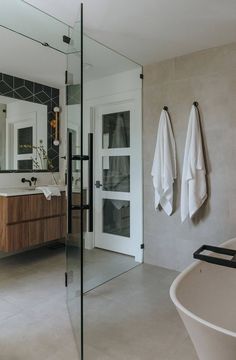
[[76, 200], [76, 227], [30, 220]]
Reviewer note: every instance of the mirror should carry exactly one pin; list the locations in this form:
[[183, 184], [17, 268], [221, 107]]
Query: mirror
[[26, 131], [23, 135], [32, 73]]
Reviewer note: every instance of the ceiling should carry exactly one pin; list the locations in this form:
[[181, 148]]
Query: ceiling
[[145, 31], [22, 57], [152, 30]]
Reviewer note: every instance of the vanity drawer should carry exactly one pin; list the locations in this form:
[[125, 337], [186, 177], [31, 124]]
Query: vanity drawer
[[52, 229], [40, 207], [23, 208], [36, 232], [17, 237], [17, 209], [63, 203], [76, 227], [76, 198], [26, 234], [76, 214], [63, 226]]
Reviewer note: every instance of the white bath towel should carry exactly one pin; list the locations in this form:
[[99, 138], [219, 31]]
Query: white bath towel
[[49, 191], [164, 164], [193, 187]]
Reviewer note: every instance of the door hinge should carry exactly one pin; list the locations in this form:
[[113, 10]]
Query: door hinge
[[141, 76], [66, 77], [66, 279], [142, 246]]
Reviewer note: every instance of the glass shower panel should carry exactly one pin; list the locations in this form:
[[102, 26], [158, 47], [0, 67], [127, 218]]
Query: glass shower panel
[[105, 255], [75, 193], [18, 16]]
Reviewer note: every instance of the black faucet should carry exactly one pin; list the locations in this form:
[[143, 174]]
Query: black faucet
[[34, 180], [24, 180]]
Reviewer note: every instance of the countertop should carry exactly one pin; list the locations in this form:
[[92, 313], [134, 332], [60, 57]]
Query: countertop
[[14, 191]]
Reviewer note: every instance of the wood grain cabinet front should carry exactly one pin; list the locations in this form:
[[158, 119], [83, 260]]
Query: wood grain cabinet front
[[76, 216], [52, 228], [31, 220], [17, 208], [17, 237], [40, 207], [36, 232]]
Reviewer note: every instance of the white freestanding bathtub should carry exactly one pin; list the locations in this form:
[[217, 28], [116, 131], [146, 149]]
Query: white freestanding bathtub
[[205, 297]]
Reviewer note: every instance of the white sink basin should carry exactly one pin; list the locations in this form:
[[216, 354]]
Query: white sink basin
[[32, 188], [24, 190], [17, 191]]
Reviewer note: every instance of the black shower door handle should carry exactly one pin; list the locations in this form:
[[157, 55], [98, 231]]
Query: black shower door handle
[[70, 205], [69, 183], [90, 182]]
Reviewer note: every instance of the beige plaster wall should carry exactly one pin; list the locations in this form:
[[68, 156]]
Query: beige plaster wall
[[208, 77]]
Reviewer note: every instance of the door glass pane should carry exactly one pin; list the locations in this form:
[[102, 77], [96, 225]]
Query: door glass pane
[[116, 217], [25, 164], [25, 140], [116, 173], [116, 130]]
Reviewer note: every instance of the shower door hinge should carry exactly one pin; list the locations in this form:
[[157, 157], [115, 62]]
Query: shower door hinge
[[66, 39], [66, 279], [66, 77], [141, 76], [142, 246]]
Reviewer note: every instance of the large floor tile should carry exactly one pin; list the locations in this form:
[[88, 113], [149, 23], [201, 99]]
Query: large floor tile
[[128, 318]]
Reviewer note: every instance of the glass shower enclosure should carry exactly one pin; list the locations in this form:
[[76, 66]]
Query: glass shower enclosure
[[103, 172], [104, 144]]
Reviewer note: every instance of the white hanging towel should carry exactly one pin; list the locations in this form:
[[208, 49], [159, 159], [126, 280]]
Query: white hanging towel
[[164, 164], [193, 187], [49, 191]]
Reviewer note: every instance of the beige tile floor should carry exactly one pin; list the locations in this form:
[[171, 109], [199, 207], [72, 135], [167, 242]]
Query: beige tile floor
[[128, 318]]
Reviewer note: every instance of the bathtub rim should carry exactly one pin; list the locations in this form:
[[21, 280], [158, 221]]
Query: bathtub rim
[[187, 312]]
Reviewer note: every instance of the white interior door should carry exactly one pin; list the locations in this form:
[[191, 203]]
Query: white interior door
[[115, 168], [24, 142]]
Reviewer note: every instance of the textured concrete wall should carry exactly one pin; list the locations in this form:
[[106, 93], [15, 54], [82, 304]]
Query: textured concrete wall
[[208, 77]]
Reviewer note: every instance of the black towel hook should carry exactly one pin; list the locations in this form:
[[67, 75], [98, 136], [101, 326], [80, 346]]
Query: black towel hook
[[165, 108], [195, 103]]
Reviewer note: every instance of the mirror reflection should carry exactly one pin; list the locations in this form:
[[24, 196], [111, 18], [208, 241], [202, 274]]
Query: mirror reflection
[[23, 134], [32, 78], [29, 123]]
